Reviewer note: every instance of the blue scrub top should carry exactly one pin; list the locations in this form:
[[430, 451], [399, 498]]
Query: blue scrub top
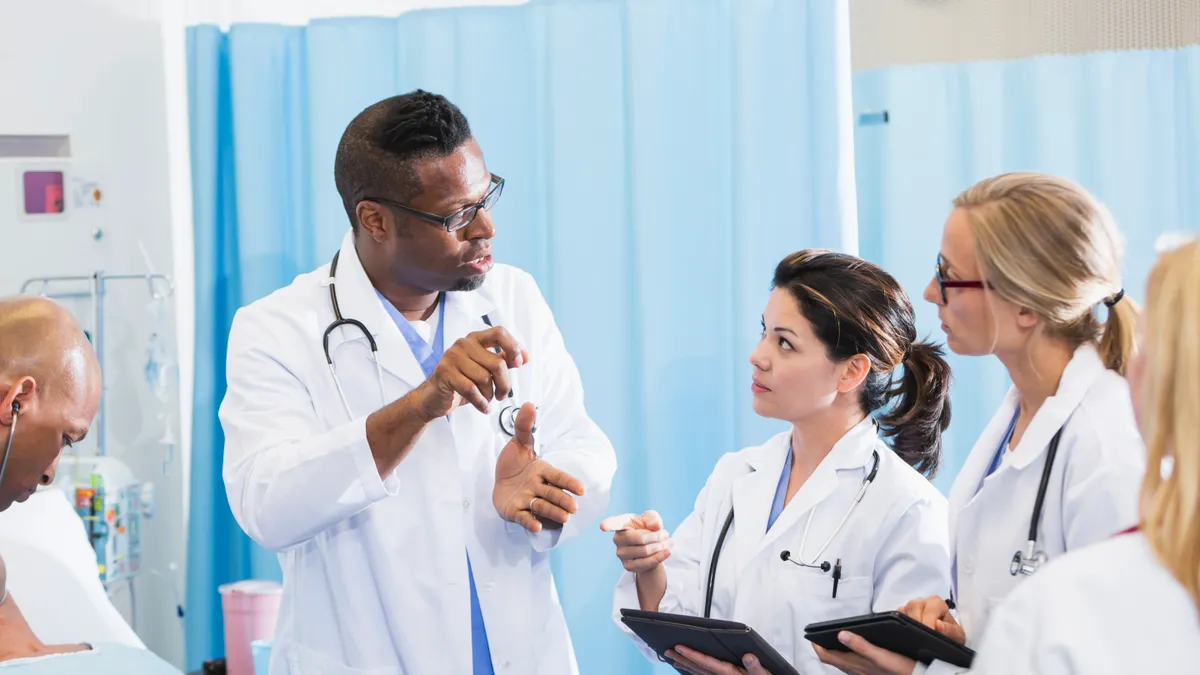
[[780, 490], [428, 356]]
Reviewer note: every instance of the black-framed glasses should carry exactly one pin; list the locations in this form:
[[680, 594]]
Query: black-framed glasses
[[460, 218], [944, 283]]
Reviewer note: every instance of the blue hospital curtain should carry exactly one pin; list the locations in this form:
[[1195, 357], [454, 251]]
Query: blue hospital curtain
[[661, 156], [1122, 124]]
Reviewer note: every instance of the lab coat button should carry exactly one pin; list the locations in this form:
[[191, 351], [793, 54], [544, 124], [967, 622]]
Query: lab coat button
[[466, 505], [488, 587], [968, 567]]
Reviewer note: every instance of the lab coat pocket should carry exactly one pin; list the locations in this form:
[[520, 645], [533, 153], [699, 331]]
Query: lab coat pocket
[[809, 595], [304, 661]]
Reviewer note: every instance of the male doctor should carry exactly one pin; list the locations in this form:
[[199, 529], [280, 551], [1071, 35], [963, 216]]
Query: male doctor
[[412, 515]]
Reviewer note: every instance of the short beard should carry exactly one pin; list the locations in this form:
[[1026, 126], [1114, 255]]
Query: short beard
[[468, 283]]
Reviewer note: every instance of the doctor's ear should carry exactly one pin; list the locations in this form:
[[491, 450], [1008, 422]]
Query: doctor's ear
[[373, 220], [854, 370]]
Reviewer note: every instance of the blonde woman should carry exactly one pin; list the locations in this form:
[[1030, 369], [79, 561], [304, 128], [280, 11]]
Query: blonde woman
[[1028, 265], [1062, 622]]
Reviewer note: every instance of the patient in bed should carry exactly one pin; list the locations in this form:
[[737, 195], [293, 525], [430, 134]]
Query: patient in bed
[[23, 654]]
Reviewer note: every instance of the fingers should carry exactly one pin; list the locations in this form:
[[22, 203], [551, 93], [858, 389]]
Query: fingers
[[523, 431], [853, 664], [562, 480], [753, 667], [639, 549], [880, 660], [952, 630], [652, 521], [492, 368], [708, 663], [528, 521], [498, 338], [616, 523], [557, 498], [466, 388], [933, 609], [639, 537], [544, 508], [642, 565], [685, 664], [639, 552]]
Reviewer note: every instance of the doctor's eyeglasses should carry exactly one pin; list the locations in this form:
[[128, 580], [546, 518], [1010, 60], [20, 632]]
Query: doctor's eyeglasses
[[460, 218], [944, 283]]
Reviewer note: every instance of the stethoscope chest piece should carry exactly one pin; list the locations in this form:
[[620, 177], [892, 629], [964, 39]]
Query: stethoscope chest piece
[[507, 419], [1026, 564]]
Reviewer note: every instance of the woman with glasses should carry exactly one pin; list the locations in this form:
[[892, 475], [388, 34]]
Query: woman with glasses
[[1029, 265], [1062, 621], [831, 518]]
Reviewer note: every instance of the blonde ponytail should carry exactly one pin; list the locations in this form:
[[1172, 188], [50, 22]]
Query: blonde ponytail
[[1118, 342], [1169, 405]]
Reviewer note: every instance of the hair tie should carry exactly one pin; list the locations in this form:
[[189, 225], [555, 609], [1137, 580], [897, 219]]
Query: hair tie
[[1114, 299]]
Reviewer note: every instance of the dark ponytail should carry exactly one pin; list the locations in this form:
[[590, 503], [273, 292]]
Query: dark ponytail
[[921, 408], [855, 307]]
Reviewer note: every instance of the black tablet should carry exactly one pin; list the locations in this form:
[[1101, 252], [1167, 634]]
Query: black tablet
[[894, 632], [728, 641]]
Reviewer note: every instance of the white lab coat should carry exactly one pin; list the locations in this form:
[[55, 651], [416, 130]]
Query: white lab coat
[[375, 571], [1092, 494], [1111, 608], [893, 548]]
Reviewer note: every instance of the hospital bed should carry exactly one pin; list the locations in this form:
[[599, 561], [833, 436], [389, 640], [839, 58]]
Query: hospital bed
[[52, 574]]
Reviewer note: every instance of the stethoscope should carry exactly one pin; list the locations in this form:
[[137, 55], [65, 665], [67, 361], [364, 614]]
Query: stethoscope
[[1028, 561], [507, 417], [786, 556], [16, 411]]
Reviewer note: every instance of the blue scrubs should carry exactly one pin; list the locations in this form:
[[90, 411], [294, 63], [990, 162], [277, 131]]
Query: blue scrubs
[[428, 356]]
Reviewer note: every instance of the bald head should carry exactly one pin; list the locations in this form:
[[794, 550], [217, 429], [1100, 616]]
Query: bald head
[[40, 338], [47, 368]]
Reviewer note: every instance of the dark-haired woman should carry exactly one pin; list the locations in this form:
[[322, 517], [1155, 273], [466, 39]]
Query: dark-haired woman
[[826, 520]]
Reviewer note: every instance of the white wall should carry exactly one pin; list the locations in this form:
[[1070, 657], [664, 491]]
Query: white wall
[[897, 32], [225, 12], [93, 69]]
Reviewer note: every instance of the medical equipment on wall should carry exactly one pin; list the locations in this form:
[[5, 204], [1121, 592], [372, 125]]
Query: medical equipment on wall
[[1028, 561], [92, 288], [46, 184], [111, 503], [108, 498], [786, 556]]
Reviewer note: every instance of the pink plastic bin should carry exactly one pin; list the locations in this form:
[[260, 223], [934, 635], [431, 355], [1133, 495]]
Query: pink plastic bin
[[251, 608]]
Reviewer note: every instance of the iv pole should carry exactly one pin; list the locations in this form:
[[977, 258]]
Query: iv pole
[[97, 282]]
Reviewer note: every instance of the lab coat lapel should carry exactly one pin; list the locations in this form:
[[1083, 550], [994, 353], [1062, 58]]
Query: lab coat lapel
[[464, 315], [967, 483], [1077, 378], [358, 300], [752, 497], [853, 451]]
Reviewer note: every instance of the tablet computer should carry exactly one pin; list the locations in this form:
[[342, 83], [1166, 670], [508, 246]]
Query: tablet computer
[[895, 632], [728, 641]]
